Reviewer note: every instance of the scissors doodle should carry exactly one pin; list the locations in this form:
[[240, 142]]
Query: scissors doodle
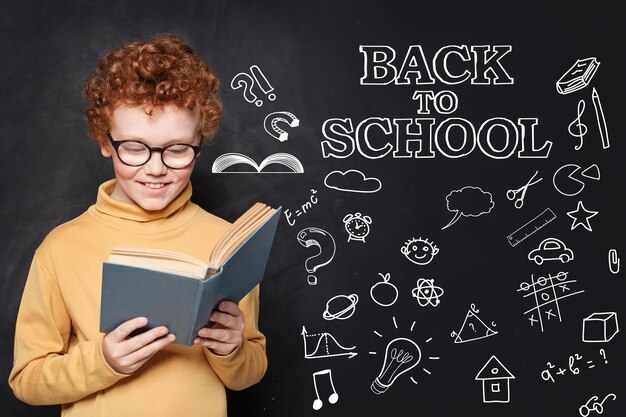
[[515, 194]]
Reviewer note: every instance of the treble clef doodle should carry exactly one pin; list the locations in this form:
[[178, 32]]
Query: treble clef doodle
[[578, 128]]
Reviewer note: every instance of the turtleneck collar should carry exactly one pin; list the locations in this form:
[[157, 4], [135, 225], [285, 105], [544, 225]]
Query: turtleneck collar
[[127, 215]]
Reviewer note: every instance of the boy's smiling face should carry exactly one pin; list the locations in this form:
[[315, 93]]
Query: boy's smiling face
[[152, 186]]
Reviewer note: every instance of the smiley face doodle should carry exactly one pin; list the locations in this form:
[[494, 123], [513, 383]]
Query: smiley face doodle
[[419, 251]]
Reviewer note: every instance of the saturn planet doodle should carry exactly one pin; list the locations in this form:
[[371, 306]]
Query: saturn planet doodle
[[340, 307]]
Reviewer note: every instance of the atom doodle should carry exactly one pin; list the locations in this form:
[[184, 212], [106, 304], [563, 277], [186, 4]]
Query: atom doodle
[[427, 293]]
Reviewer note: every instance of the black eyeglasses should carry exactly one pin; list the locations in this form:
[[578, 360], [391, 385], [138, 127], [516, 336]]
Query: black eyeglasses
[[134, 153]]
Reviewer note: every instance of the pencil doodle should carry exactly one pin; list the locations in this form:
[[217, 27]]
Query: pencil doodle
[[602, 127]]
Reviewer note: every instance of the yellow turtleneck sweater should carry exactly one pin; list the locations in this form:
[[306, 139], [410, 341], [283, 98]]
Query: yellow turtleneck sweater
[[58, 357]]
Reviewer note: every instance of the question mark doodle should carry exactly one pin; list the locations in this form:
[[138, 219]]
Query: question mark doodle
[[247, 81], [472, 326], [603, 353], [313, 236]]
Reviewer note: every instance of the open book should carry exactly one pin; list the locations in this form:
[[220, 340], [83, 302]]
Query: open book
[[180, 291]]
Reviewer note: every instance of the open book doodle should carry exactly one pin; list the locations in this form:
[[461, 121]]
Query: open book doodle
[[179, 291], [227, 160]]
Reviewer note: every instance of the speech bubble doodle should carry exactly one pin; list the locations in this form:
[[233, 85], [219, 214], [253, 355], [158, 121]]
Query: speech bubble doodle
[[469, 201], [314, 236]]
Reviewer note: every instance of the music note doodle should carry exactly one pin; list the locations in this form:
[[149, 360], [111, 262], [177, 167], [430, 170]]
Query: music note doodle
[[578, 128], [332, 398]]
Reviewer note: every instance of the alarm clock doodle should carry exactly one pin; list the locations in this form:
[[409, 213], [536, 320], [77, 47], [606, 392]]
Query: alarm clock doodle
[[357, 226]]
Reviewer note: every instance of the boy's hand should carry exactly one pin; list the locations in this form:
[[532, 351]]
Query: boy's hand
[[125, 355], [227, 332]]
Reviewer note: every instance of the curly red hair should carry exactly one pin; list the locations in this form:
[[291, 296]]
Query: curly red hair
[[159, 71]]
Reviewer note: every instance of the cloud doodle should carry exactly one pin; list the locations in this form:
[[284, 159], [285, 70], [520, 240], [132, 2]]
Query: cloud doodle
[[353, 181]]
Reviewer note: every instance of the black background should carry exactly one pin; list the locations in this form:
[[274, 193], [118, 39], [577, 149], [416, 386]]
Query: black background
[[309, 51]]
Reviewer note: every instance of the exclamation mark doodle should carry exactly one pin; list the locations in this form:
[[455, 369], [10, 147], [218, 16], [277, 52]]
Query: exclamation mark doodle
[[264, 85]]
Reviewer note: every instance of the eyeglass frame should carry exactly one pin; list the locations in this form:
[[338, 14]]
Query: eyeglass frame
[[117, 143]]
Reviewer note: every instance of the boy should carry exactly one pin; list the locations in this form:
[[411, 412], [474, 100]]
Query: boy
[[152, 105]]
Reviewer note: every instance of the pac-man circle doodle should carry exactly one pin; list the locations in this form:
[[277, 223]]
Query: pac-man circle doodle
[[427, 293], [340, 307]]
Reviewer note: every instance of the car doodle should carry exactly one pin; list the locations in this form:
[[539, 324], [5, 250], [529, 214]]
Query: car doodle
[[551, 249]]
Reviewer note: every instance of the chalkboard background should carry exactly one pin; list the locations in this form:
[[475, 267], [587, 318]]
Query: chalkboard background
[[309, 54]]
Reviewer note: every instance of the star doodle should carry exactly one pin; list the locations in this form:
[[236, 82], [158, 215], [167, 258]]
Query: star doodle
[[581, 216]]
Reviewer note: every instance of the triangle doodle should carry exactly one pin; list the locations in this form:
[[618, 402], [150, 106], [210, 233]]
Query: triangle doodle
[[473, 328]]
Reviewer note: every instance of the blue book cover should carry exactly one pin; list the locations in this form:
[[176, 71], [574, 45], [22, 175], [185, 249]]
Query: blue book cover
[[181, 303]]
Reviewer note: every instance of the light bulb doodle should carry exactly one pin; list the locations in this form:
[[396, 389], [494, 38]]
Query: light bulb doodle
[[332, 398], [401, 356], [314, 236], [271, 124]]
